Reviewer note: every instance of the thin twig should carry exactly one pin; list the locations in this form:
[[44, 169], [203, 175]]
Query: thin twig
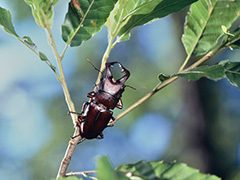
[[81, 173], [73, 142], [164, 84], [68, 154]]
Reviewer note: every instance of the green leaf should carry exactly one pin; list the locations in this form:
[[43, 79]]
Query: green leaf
[[84, 19], [224, 69], [235, 45], [42, 11], [214, 72], [6, 23], [204, 24], [143, 170], [232, 71], [129, 14], [106, 172], [54, 2]]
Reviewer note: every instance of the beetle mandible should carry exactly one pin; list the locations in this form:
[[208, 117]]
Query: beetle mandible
[[96, 114]]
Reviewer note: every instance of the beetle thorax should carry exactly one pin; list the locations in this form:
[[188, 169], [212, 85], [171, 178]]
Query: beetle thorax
[[112, 87]]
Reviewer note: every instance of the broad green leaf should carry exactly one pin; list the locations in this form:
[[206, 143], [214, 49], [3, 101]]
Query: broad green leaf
[[42, 11], [84, 19], [106, 172], [129, 14], [214, 72], [224, 69], [159, 170], [204, 24], [6, 23]]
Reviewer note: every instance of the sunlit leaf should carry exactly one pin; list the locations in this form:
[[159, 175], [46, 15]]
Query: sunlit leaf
[[93, 13], [129, 14], [159, 170], [105, 171], [42, 11], [214, 72], [6, 23], [204, 24], [224, 69]]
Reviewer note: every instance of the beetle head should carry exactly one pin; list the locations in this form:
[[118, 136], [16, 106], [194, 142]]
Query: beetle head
[[123, 70], [111, 86]]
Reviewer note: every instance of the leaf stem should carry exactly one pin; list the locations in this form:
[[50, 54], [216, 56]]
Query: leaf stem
[[68, 99], [105, 58], [111, 44], [185, 62]]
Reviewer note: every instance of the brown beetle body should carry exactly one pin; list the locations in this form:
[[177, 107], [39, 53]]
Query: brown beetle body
[[97, 113], [95, 121]]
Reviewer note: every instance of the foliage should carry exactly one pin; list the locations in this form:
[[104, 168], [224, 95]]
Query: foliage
[[42, 11], [129, 14], [224, 69], [205, 34], [150, 170], [6, 23], [203, 27], [84, 19]]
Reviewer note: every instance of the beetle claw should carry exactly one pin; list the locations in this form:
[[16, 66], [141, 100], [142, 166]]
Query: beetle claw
[[100, 136]]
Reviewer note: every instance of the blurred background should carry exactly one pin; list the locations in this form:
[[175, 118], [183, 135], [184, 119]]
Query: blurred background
[[197, 123]]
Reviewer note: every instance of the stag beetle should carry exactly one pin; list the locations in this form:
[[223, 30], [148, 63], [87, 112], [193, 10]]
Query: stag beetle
[[96, 114]]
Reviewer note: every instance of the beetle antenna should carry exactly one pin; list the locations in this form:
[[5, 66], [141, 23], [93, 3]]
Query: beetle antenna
[[135, 88], [93, 65]]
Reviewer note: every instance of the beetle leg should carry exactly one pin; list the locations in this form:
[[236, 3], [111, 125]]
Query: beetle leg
[[80, 117], [120, 105], [100, 136], [90, 94], [110, 123]]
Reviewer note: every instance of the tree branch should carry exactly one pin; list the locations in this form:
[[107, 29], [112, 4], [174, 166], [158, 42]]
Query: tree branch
[[73, 142], [68, 154], [164, 84]]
